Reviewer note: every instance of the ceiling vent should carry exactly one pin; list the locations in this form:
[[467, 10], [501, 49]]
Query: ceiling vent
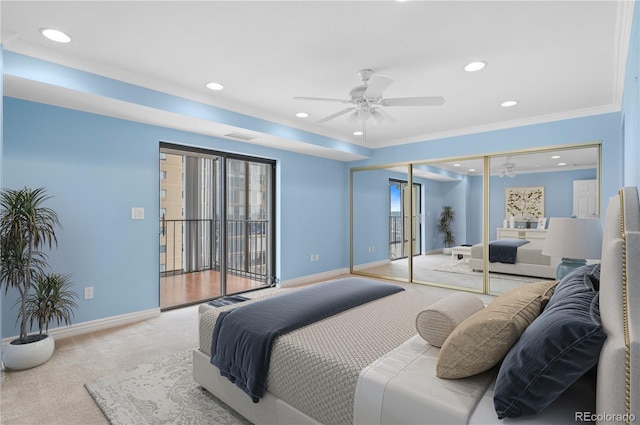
[[240, 136]]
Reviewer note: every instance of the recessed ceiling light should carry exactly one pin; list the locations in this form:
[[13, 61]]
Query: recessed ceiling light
[[358, 133], [456, 165], [475, 66], [302, 115], [555, 157], [562, 163], [509, 103], [215, 86], [471, 170], [55, 35]]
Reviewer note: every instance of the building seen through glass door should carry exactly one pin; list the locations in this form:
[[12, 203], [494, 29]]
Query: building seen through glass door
[[216, 225]]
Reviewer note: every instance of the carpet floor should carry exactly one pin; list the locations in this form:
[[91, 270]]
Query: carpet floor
[[162, 392]]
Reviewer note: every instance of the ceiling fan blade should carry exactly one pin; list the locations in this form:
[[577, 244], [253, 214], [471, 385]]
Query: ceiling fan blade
[[336, 115], [377, 85], [413, 101], [322, 99], [353, 117], [379, 115]]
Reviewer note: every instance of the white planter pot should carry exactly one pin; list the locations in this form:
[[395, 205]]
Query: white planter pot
[[446, 251], [26, 356]]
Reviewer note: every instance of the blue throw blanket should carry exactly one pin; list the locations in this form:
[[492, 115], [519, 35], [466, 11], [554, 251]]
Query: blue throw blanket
[[505, 250], [242, 337]]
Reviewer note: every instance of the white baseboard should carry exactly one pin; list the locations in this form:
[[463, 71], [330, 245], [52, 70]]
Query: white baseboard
[[372, 264], [313, 278], [96, 325]]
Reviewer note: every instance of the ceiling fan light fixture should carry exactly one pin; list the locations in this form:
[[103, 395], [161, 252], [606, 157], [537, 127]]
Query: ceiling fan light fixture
[[55, 35], [475, 66], [364, 114]]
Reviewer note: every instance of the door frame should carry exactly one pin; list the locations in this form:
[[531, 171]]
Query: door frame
[[166, 147]]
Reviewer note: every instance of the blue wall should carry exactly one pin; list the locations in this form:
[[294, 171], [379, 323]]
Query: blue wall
[[97, 168], [558, 193]]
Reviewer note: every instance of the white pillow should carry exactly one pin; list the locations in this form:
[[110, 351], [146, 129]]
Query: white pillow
[[437, 321]]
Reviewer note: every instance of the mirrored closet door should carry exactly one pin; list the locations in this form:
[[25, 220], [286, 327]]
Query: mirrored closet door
[[434, 222], [527, 190], [451, 223], [383, 222]]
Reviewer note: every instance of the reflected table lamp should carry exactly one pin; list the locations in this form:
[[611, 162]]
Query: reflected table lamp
[[573, 239]]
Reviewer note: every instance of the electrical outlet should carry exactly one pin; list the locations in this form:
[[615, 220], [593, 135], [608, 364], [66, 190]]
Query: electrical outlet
[[317, 257], [88, 293], [312, 258]]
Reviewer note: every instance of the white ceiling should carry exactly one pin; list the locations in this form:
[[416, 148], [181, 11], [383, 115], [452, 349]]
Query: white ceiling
[[558, 59]]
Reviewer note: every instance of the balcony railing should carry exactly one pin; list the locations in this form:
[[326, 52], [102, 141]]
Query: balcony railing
[[194, 245], [396, 237], [398, 242]]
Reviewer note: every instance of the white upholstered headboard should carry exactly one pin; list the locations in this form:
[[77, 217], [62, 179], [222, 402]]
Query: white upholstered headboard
[[618, 388]]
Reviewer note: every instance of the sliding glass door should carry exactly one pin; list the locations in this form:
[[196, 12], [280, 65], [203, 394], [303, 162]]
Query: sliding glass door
[[248, 221], [216, 224], [401, 209]]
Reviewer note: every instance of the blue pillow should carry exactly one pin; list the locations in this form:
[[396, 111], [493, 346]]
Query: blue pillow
[[560, 346], [595, 277], [578, 281]]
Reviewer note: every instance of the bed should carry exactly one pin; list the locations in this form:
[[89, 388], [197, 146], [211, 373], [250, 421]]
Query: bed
[[367, 365], [529, 261]]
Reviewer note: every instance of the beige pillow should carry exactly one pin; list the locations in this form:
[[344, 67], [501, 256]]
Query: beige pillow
[[436, 322], [483, 339]]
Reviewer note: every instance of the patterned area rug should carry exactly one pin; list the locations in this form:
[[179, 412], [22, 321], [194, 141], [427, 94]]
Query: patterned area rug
[[162, 392]]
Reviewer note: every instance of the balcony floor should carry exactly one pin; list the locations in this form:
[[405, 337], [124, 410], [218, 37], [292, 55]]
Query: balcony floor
[[190, 288]]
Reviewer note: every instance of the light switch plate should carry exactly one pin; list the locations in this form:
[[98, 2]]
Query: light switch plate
[[137, 213]]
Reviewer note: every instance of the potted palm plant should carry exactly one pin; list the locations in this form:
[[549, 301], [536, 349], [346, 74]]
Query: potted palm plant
[[26, 227], [52, 299], [447, 217]]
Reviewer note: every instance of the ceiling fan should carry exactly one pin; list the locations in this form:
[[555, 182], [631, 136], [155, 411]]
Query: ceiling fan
[[367, 100], [508, 169]]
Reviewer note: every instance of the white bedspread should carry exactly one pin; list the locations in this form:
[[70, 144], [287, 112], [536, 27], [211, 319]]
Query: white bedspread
[[401, 388]]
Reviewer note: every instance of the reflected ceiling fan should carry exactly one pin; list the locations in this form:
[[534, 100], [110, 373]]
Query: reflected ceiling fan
[[508, 169], [367, 100]]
